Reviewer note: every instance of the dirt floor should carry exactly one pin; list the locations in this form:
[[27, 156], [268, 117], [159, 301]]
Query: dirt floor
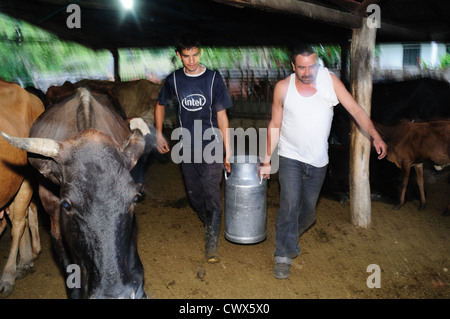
[[410, 246]]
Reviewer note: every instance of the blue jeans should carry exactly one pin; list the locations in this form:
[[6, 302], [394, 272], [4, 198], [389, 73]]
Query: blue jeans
[[300, 186]]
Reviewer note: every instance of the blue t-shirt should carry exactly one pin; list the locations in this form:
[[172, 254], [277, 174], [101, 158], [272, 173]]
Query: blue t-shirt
[[198, 99]]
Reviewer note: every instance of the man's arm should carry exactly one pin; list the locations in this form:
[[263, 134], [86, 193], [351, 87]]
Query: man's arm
[[359, 115], [161, 143], [273, 131]]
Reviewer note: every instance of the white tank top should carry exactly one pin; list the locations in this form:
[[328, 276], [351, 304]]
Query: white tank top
[[305, 127]]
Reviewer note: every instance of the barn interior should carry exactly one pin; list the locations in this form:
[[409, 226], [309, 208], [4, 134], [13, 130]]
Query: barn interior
[[156, 23], [233, 23]]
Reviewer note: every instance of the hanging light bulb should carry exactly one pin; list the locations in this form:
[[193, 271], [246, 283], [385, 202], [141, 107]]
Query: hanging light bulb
[[127, 4]]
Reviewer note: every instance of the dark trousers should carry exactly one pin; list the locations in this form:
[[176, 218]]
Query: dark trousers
[[202, 183]]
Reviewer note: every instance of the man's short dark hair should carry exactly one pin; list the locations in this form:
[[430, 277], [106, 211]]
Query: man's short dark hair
[[302, 49], [187, 41]]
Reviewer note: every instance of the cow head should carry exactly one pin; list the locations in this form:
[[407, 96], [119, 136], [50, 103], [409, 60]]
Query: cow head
[[96, 213]]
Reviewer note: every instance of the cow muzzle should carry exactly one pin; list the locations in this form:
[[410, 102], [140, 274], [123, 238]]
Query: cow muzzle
[[122, 292]]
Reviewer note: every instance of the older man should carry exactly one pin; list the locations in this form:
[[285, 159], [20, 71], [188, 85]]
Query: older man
[[302, 113]]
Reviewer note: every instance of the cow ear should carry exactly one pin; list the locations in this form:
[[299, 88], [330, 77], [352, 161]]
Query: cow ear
[[133, 149], [47, 167]]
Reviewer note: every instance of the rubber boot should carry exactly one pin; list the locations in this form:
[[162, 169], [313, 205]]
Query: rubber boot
[[212, 230]]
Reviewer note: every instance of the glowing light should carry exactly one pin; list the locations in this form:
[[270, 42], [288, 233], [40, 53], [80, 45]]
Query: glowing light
[[127, 4]]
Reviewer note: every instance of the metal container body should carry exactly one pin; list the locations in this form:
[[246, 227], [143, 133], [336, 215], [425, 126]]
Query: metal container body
[[245, 201]]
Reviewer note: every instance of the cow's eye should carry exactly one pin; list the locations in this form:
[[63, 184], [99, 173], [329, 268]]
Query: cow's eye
[[136, 198], [66, 205]]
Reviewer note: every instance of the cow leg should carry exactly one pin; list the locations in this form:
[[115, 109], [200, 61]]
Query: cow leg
[[18, 213], [34, 229], [30, 245], [25, 263], [3, 221], [406, 169], [419, 176]]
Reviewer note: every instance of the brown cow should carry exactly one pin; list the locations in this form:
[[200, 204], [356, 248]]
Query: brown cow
[[413, 143], [137, 98], [18, 110]]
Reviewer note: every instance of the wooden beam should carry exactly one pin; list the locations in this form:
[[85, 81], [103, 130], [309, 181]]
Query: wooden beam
[[361, 54], [305, 9], [348, 5], [327, 15]]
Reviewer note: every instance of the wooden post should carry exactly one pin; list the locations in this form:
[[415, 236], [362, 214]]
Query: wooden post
[[361, 55], [344, 61], [115, 54]]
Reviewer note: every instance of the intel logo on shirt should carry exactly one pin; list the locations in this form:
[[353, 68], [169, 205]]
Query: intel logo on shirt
[[193, 102]]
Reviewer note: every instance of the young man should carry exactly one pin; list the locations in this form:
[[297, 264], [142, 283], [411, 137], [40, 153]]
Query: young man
[[202, 99], [302, 112]]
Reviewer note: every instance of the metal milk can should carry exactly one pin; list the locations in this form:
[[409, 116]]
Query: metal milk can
[[245, 201]]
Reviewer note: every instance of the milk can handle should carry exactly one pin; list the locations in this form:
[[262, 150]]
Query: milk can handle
[[225, 173]]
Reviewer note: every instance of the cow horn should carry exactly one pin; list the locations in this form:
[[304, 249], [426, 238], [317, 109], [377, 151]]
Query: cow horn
[[42, 146]]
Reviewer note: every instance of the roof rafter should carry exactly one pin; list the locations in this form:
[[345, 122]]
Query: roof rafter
[[331, 16], [302, 8]]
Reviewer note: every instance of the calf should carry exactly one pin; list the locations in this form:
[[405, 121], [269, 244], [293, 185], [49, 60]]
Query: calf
[[413, 143]]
